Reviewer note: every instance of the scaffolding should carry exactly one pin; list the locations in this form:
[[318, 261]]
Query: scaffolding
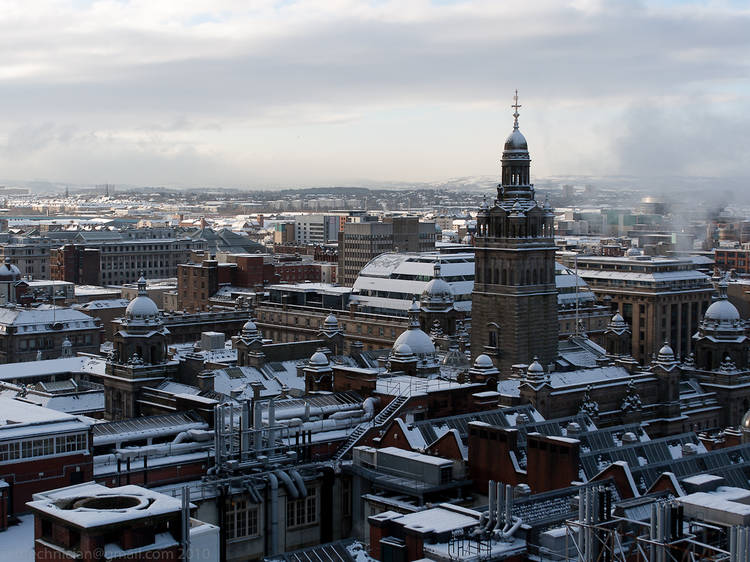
[[597, 536]]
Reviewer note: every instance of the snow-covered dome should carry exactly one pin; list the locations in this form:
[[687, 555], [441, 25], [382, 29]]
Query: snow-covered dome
[[437, 289], [722, 311], [516, 141], [617, 319], [666, 353], [331, 322], [535, 367], [402, 349], [9, 271], [483, 361], [319, 359], [142, 308], [416, 340], [249, 326]]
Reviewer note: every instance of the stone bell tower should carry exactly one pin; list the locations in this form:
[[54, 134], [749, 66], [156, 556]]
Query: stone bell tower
[[514, 303]]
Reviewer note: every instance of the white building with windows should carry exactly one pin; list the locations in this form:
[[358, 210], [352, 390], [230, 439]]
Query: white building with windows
[[316, 229], [387, 284]]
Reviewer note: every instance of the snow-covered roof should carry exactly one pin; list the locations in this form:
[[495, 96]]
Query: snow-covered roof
[[143, 503], [440, 519], [18, 419], [49, 367], [642, 277], [414, 386], [88, 402], [43, 318], [102, 304], [572, 379], [272, 376]]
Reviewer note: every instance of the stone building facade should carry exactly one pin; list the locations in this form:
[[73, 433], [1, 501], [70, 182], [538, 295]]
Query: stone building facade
[[514, 303]]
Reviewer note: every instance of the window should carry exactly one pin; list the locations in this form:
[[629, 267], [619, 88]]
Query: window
[[70, 443], [9, 451], [303, 511], [242, 519]]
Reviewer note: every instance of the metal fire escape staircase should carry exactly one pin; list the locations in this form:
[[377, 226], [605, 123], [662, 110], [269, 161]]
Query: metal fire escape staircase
[[381, 419]]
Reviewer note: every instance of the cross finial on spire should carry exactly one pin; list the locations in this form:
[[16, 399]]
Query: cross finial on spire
[[515, 113]]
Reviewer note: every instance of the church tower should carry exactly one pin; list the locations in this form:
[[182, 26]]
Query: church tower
[[514, 303]]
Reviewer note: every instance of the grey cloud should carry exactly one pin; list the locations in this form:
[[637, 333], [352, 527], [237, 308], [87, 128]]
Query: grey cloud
[[334, 71]]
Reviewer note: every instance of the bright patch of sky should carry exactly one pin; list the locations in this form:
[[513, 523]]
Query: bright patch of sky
[[305, 92]]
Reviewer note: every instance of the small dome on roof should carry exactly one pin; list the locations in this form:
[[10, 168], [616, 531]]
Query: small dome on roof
[[249, 326], [483, 361], [516, 141], [331, 321], [9, 271], [666, 353], [319, 359], [722, 311], [437, 289], [402, 350], [142, 308], [617, 318], [535, 367], [416, 340]]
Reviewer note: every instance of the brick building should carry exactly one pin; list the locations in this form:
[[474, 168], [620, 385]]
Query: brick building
[[41, 449], [727, 259], [198, 282], [76, 264], [96, 523]]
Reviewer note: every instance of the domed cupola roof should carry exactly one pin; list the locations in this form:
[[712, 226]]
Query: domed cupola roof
[[437, 290], [516, 146], [516, 140], [9, 272], [617, 324], [722, 310], [402, 351], [318, 359], [331, 322], [666, 353], [483, 361], [250, 330], [142, 310], [722, 319], [418, 341], [535, 367]]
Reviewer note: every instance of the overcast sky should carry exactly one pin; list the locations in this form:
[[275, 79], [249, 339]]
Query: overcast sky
[[259, 93]]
